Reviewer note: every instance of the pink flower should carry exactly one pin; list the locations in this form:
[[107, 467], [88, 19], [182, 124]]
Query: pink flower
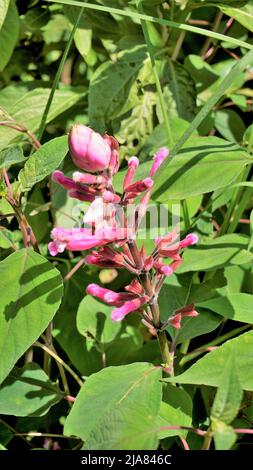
[[80, 239], [159, 157], [108, 296], [133, 163], [130, 306], [187, 311], [88, 149]]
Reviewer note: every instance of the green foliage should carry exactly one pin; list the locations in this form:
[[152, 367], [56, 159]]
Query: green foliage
[[28, 392], [116, 419], [32, 293]]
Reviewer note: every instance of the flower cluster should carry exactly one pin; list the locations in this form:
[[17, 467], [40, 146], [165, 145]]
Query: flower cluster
[[107, 232]]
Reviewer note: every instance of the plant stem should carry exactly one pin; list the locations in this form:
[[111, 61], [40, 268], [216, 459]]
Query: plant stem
[[208, 41], [215, 342], [57, 77], [154, 19], [187, 222], [207, 440], [58, 359], [157, 80], [164, 348]]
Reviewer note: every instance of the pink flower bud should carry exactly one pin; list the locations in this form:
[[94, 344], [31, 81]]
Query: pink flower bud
[[119, 313], [175, 321], [133, 163], [158, 159], [64, 181], [190, 239], [88, 149]]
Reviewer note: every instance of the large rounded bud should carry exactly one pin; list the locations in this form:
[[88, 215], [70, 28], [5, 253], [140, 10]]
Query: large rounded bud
[[88, 149]]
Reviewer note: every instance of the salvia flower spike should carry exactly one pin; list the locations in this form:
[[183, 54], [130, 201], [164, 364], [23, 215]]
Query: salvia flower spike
[[108, 235]]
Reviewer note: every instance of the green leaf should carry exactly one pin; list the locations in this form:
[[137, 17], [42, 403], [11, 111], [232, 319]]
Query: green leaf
[[110, 86], [43, 162], [182, 89], [202, 73], [11, 155], [210, 369], [229, 394], [223, 251], [175, 410], [28, 392], [135, 128], [125, 403], [94, 321], [32, 293], [229, 124], [195, 168], [3, 11], [238, 307], [224, 435], [9, 32], [243, 14], [26, 108]]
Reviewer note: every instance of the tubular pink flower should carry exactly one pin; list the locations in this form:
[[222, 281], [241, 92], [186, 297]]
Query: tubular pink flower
[[109, 196], [188, 311], [88, 149], [114, 162], [159, 157], [190, 239], [106, 257], [133, 163], [81, 239], [82, 195], [139, 186], [116, 299], [64, 181], [130, 306], [85, 178], [175, 321]]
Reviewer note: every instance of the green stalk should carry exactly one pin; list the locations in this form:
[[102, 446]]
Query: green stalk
[[154, 19], [189, 357], [57, 77], [155, 72], [187, 222]]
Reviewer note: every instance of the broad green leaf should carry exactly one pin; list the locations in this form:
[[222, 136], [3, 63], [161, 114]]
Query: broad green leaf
[[202, 73], [4, 5], [32, 293], [11, 155], [9, 31], [116, 408], [238, 307], [222, 251], [229, 124], [210, 369], [27, 108], [195, 168], [110, 86], [94, 321], [243, 13], [175, 410], [229, 394], [224, 435], [173, 297], [36, 212], [28, 392], [43, 162]]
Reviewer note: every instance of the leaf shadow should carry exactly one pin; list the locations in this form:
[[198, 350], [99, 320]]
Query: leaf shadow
[[50, 286], [204, 150]]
